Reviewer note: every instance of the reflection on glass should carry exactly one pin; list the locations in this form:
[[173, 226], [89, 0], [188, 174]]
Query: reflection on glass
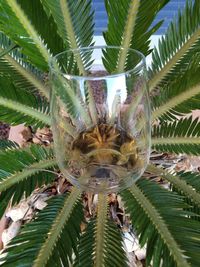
[[100, 121]]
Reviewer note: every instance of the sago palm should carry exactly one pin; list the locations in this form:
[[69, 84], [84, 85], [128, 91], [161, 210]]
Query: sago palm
[[165, 220]]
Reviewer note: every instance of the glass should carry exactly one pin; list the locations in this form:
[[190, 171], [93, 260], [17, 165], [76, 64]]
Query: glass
[[100, 121]]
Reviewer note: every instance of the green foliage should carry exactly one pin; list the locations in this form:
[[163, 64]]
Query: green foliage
[[4, 144], [21, 171], [19, 106], [178, 97], [160, 219], [193, 179], [113, 252], [75, 25], [120, 18], [177, 48], [71, 103], [177, 137], [26, 248], [101, 243], [180, 183], [15, 66], [35, 12], [15, 24]]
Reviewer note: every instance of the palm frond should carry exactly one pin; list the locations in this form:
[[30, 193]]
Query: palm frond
[[18, 106], [70, 101], [8, 49], [178, 47], [101, 243], [21, 172], [180, 136], [23, 74], [193, 179], [178, 97], [101, 222], [161, 221], [183, 182], [44, 24], [5, 144], [114, 254], [50, 239], [75, 26], [129, 27], [15, 24]]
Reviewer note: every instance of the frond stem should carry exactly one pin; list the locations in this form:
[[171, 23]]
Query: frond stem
[[28, 75], [18, 107], [177, 182], [128, 32], [160, 225], [157, 78], [29, 28], [26, 172], [57, 227], [100, 229], [70, 30], [175, 101], [175, 140]]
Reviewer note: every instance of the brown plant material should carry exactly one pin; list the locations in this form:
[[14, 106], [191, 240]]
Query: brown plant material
[[105, 144], [43, 136], [4, 130], [3, 223]]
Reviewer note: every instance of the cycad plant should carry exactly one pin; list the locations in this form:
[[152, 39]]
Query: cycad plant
[[166, 220]]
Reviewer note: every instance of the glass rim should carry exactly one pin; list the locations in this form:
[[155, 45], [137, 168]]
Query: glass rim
[[140, 65]]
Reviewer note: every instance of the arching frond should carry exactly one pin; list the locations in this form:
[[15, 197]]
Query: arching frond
[[76, 27], [178, 47], [21, 172], [181, 136], [178, 97], [183, 182], [44, 24], [101, 243], [15, 24], [160, 219], [129, 27], [4, 144], [49, 240], [22, 73], [18, 106]]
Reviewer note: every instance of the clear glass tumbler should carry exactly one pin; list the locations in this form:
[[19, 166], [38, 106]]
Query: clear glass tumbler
[[100, 120]]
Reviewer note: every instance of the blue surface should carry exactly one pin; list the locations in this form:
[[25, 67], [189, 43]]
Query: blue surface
[[167, 13]]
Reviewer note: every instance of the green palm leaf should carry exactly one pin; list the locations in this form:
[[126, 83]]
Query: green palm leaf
[[15, 24], [114, 254], [178, 97], [18, 106], [44, 24], [50, 239], [75, 25], [4, 144], [187, 183], [20, 172], [177, 137], [101, 244], [70, 101], [160, 219], [178, 47], [23, 74], [129, 27]]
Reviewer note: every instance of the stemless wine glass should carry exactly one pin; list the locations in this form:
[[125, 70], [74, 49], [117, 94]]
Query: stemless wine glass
[[100, 120]]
